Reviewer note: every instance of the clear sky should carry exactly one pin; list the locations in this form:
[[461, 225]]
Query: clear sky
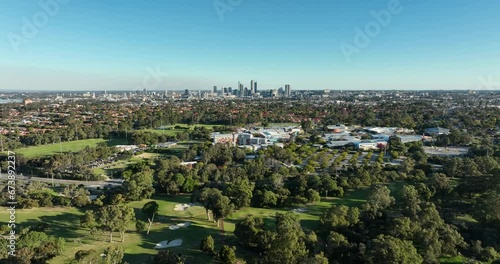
[[111, 44]]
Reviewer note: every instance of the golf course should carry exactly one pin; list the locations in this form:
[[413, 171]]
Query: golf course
[[65, 223]]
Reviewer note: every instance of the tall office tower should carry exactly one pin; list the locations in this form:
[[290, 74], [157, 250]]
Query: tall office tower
[[255, 87], [230, 90], [186, 92], [251, 87], [224, 90], [287, 90], [240, 86], [214, 90], [245, 91], [166, 93]]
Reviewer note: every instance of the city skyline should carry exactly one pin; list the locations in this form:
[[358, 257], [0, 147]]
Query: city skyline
[[376, 45]]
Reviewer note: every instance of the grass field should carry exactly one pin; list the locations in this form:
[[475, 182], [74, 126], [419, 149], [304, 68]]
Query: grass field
[[284, 124], [73, 146], [64, 222], [171, 131], [112, 168]]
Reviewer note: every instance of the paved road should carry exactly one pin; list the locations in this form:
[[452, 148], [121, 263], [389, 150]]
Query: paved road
[[90, 184]]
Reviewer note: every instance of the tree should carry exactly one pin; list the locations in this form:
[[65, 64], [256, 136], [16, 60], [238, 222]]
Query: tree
[[221, 208], [150, 209], [339, 218], [109, 218], [113, 255], [167, 257], [247, 231], [328, 185], [395, 144], [140, 226], [379, 200], [338, 247], [37, 247], [227, 255], [80, 198], [207, 245], [317, 259], [139, 185], [440, 183], [411, 201], [265, 199], [240, 192], [390, 250], [88, 220], [86, 256], [289, 245], [487, 209]]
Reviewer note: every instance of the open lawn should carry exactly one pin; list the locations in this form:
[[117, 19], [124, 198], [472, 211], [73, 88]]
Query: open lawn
[[171, 131], [73, 146], [118, 165], [64, 222], [284, 124]]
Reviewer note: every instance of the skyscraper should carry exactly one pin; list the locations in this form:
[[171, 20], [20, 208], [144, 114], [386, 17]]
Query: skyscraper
[[287, 90], [240, 87], [251, 87], [214, 89], [255, 87]]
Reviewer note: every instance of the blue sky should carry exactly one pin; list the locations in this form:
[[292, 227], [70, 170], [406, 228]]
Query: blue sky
[[109, 45]]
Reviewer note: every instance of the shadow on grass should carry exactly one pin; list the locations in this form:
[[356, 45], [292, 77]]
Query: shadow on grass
[[65, 225], [191, 236]]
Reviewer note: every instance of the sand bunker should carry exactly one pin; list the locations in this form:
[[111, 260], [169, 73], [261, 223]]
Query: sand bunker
[[299, 210], [166, 244], [175, 227], [182, 207], [185, 224]]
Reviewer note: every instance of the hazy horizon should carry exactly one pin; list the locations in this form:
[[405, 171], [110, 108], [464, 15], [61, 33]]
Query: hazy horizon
[[335, 45]]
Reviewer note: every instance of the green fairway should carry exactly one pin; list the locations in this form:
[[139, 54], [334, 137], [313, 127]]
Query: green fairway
[[170, 130], [64, 222], [51, 149], [113, 168], [283, 124]]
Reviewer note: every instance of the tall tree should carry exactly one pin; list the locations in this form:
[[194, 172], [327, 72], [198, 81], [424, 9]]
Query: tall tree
[[150, 209], [390, 250]]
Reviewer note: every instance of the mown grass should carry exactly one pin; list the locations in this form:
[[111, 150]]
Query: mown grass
[[170, 130], [64, 222], [115, 167], [55, 148]]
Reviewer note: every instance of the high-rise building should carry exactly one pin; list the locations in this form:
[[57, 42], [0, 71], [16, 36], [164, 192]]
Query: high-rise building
[[214, 89], [251, 87], [186, 92], [240, 87], [255, 87], [287, 90]]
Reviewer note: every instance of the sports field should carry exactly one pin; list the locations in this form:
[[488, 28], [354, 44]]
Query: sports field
[[51, 149], [170, 130]]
